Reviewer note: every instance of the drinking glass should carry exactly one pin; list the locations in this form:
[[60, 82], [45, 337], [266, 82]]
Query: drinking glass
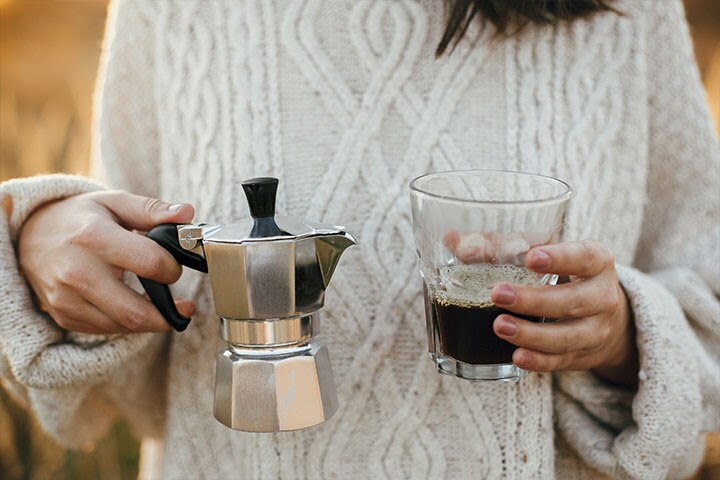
[[473, 229]]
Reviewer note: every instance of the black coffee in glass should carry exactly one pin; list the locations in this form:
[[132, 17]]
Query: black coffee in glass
[[462, 314], [466, 332]]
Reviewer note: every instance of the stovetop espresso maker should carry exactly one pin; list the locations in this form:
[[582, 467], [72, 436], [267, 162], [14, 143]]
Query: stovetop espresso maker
[[268, 276]]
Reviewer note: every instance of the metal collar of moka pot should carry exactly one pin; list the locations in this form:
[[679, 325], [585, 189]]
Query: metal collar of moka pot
[[268, 276]]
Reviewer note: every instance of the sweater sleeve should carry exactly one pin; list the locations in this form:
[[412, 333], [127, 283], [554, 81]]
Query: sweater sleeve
[[78, 384], [673, 287]]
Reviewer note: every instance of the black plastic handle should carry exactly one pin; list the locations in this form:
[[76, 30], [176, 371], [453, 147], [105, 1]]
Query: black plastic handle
[[166, 236], [261, 193]]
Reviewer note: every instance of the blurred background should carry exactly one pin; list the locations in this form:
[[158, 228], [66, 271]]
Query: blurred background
[[48, 59]]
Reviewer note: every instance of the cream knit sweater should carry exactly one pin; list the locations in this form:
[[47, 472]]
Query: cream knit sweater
[[344, 101]]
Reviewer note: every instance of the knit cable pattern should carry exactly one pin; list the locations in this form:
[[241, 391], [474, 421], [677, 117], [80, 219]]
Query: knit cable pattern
[[345, 102]]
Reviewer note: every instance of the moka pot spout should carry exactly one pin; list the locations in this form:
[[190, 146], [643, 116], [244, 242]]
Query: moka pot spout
[[329, 248]]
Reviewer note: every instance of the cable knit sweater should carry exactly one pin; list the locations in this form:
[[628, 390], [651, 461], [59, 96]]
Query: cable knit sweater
[[345, 102]]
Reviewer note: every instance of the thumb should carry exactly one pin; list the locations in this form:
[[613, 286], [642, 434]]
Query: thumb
[[143, 213]]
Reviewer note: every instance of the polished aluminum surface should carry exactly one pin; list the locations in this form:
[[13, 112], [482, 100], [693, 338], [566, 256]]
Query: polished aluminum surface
[[272, 376], [267, 278], [263, 280], [255, 281], [271, 393], [277, 332], [240, 230]]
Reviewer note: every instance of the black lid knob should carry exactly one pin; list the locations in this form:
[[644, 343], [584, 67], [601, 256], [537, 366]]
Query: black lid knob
[[261, 193]]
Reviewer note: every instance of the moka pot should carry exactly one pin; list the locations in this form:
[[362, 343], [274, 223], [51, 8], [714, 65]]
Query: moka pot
[[268, 276]]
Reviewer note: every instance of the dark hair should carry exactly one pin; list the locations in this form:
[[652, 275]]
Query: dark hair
[[510, 16]]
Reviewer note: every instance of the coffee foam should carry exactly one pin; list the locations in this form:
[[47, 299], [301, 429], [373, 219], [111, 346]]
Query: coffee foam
[[470, 285]]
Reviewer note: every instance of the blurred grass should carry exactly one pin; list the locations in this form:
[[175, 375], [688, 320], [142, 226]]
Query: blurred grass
[[27, 453], [48, 59]]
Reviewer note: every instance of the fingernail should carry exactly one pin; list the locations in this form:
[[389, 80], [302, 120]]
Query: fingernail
[[524, 359], [188, 308], [506, 326], [175, 207], [539, 259], [503, 294]]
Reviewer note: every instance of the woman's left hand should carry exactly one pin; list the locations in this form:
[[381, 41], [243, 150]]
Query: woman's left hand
[[594, 330]]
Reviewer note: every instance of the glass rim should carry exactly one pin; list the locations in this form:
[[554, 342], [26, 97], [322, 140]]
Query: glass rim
[[565, 195]]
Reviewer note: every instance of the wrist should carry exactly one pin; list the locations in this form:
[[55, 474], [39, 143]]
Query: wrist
[[622, 364], [622, 374]]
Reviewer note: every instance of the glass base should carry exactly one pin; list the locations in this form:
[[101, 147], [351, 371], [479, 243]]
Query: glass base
[[504, 372]]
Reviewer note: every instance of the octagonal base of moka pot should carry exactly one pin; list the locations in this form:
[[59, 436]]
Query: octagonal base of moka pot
[[274, 390]]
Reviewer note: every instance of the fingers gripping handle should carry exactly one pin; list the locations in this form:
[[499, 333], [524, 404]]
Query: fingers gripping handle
[[166, 236]]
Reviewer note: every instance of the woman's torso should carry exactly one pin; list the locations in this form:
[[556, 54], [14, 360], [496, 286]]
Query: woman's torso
[[345, 103]]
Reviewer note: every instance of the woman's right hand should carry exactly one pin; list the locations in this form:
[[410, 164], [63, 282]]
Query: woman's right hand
[[74, 251]]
